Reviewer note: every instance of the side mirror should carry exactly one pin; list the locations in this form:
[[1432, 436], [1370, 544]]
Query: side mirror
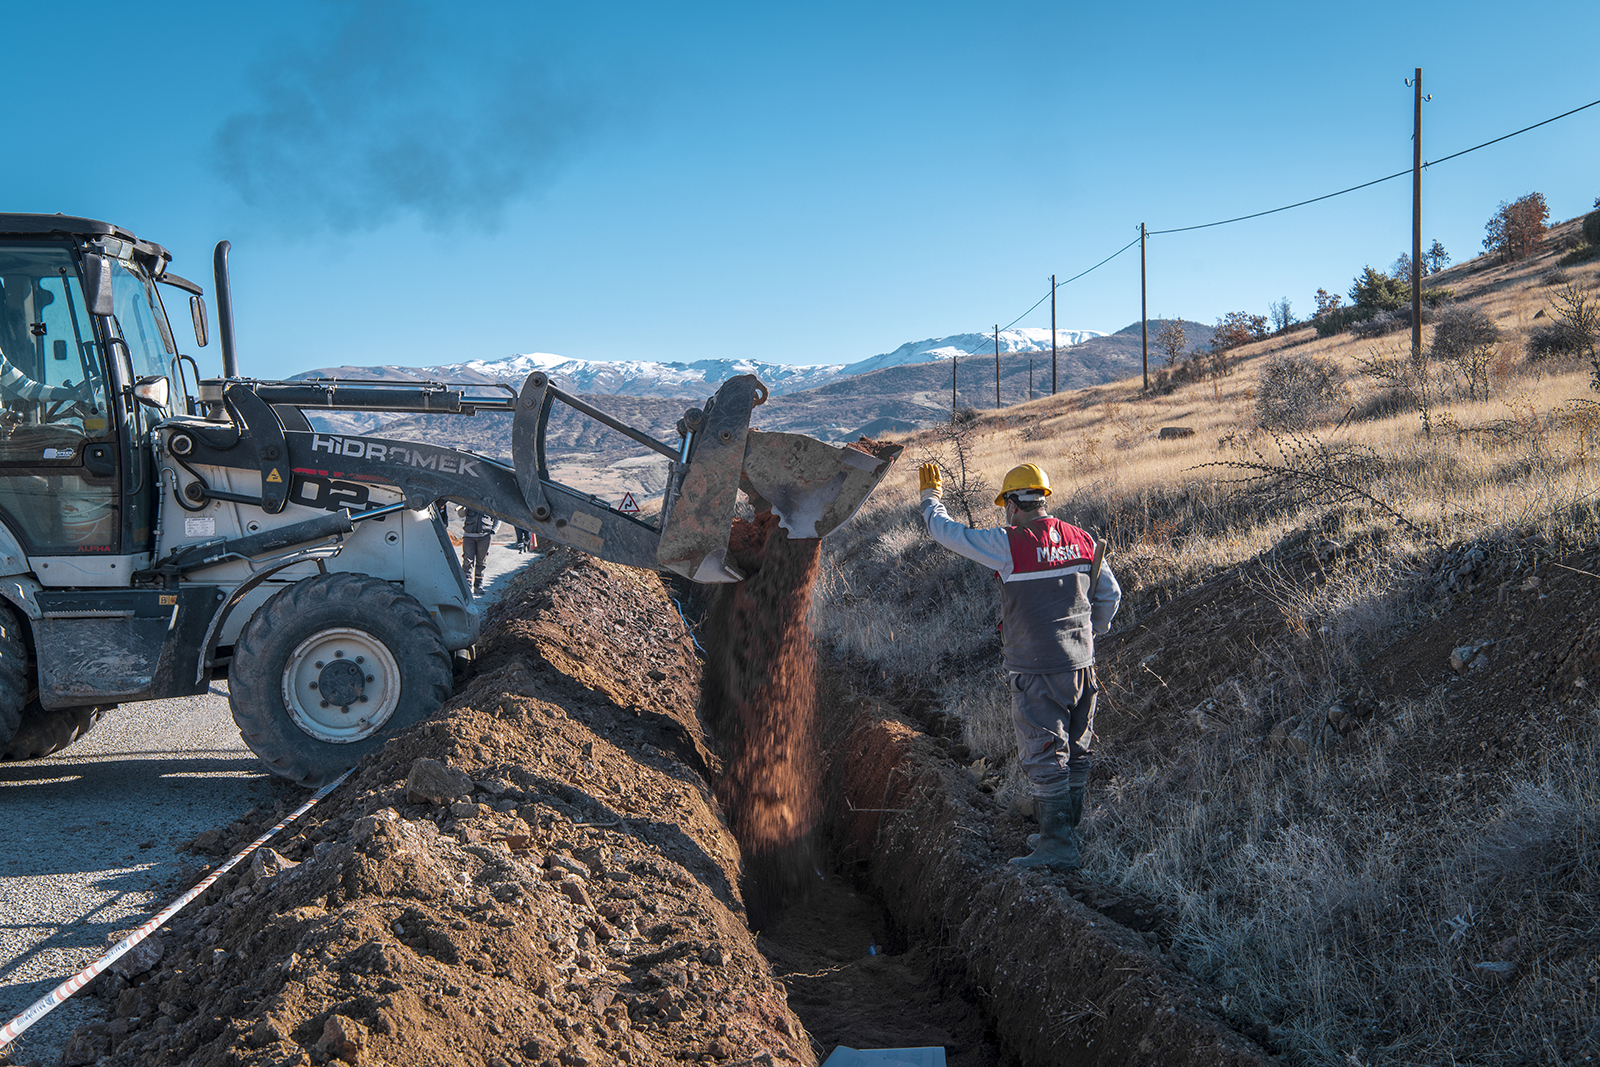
[[197, 312], [153, 390], [97, 280]]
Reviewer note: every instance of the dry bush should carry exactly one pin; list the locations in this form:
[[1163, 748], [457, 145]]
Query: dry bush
[[1295, 390], [1466, 338], [1574, 329], [953, 445]]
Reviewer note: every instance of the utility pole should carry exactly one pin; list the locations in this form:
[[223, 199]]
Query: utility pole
[[1030, 379], [1416, 221], [1052, 340], [997, 366], [1144, 315], [954, 359]]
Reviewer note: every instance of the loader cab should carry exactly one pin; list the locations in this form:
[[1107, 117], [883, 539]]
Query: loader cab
[[83, 336]]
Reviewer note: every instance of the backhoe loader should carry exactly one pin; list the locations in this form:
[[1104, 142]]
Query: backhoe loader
[[159, 529]]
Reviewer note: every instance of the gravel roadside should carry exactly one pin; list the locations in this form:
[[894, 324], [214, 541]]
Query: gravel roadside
[[90, 843]]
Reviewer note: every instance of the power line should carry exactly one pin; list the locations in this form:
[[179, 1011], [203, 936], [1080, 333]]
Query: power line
[[1046, 296], [1097, 266], [1058, 285], [1524, 129], [1375, 181], [1286, 207], [1289, 207]]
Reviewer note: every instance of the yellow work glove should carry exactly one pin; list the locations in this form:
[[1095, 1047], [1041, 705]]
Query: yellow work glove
[[931, 479]]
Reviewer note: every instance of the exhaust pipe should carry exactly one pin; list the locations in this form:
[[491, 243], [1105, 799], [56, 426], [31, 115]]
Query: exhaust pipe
[[219, 263]]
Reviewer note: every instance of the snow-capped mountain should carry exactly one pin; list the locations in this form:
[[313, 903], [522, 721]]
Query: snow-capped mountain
[[645, 378], [634, 377], [965, 345]]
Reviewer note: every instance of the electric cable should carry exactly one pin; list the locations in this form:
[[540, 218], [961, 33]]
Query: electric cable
[[1524, 129], [1075, 277], [1375, 181], [1287, 207]]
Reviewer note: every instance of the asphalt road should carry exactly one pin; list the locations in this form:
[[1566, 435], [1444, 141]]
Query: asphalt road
[[89, 837], [88, 847]]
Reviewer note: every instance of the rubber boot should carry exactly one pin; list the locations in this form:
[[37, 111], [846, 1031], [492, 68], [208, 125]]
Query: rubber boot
[[1056, 843], [1075, 798]]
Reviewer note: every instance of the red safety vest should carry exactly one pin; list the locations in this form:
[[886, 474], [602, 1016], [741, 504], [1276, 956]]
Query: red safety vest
[[1044, 602], [1047, 544]]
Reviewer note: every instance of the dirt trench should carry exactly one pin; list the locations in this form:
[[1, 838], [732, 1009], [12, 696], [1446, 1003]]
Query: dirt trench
[[542, 874]]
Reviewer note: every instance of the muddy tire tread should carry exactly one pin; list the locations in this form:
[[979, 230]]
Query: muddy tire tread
[[13, 674], [344, 599], [44, 733]]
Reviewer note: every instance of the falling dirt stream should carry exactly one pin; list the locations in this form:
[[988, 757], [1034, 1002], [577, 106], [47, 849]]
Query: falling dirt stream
[[851, 977]]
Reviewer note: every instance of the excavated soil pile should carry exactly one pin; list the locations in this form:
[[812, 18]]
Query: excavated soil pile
[[538, 875], [1068, 971], [760, 690]]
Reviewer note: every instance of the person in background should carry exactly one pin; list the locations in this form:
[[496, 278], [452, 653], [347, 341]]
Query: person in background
[[476, 530], [526, 541]]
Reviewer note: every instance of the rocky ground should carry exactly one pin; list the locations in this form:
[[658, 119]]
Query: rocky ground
[[537, 875], [542, 875]]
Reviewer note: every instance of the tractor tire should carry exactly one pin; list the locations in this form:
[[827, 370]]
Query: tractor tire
[[14, 680], [329, 668], [44, 733]]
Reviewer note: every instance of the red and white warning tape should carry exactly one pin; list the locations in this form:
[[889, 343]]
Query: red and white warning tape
[[44, 1005]]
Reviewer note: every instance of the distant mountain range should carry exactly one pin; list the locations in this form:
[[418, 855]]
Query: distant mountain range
[[701, 378], [896, 391]]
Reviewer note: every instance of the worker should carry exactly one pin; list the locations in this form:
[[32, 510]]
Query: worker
[[476, 530], [1056, 594], [15, 385], [526, 540]]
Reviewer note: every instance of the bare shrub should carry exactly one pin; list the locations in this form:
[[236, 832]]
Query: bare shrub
[[1574, 329], [1295, 390], [1170, 341], [954, 447], [1409, 376], [1380, 325], [1466, 338], [1308, 472]]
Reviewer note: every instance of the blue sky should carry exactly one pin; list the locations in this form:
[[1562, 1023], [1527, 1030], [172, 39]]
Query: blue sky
[[421, 183]]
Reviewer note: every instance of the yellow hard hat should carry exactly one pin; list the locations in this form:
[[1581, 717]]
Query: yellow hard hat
[[1026, 476]]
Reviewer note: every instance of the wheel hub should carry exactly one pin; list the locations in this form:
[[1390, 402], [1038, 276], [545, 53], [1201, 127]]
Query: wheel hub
[[342, 682], [341, 685]]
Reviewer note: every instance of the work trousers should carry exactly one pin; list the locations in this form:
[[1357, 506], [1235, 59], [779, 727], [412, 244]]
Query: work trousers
[[1054, 718], [475, 550]]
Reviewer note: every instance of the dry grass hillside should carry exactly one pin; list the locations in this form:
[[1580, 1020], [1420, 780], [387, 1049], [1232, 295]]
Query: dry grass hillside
[[1347, 726]]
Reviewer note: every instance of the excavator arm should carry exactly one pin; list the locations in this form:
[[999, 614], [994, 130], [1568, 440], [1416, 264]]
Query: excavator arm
[[812, 486]]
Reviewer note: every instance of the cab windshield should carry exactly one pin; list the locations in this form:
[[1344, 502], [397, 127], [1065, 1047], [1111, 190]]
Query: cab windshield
[[51, 384]]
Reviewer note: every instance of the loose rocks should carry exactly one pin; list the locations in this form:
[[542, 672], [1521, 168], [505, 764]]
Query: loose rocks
[[572, 918]]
